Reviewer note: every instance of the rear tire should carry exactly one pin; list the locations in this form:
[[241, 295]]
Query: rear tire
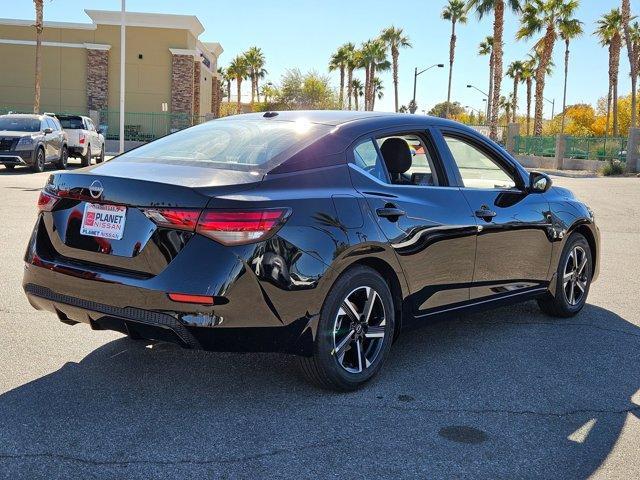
[[573, 279], [85, 160], [64, 157], [351, 345], [38, 166]]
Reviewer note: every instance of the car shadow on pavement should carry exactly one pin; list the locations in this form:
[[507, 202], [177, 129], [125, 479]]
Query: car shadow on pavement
[[507, 394]]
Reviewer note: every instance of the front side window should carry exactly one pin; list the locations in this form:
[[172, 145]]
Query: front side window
[[367, 158], [477, 169]]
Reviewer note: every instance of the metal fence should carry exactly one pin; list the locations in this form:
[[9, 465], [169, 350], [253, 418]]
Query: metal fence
[[535, 146], [582, 148], [597, 148], [145, 127]]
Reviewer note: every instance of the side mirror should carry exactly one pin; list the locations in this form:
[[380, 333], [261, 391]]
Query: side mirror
[[539, 182], [100, 132], [48, 130]]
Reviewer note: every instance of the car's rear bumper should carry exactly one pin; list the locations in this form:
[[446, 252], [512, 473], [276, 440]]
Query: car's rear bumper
[[167, 326], [16, 157], [257, 308], [77, 150]]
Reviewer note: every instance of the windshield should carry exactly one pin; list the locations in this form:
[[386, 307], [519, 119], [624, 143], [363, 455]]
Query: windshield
[[236, 144], [19, 124], [73, 123]]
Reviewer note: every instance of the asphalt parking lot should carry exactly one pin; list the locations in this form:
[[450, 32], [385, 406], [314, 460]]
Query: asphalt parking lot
[[505, 394]]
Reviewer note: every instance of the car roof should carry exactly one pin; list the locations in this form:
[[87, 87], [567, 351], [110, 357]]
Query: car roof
[[341, 117], [25, 115]]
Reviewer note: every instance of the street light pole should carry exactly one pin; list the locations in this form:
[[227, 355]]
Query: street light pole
[[486, 95], [122, 76], [415, 79], [553, 106]]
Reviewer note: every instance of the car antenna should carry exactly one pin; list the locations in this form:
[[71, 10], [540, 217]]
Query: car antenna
[[270, 114]]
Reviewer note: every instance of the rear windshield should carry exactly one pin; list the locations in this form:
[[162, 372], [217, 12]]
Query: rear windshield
[[20, 124], [73, 123], [235, 144]]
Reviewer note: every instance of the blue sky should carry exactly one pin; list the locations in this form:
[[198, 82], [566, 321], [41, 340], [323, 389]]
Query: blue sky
[[304, 33]]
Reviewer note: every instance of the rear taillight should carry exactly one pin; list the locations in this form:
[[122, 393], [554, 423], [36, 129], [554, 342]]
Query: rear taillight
[[81, 138], [46, 201], [229, 227], [181, 219], [234, 227]]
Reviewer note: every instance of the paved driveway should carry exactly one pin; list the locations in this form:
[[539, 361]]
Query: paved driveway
[[505, 394]]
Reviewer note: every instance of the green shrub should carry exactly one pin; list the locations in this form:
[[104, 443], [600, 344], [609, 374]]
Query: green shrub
[[613, 167]]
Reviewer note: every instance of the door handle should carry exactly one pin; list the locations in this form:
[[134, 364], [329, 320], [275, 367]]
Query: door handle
[[485, 214], [390, 212]]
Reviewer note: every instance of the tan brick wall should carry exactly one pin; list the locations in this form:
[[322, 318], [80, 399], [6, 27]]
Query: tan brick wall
[[182, 84], [97, 79], [216, 97], [197, 74]]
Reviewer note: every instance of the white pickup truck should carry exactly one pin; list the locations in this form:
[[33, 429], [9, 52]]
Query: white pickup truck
[[85, 141]]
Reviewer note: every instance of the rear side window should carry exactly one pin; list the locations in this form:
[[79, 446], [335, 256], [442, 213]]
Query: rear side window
[[72, 123], [235, 144], [366, 157]]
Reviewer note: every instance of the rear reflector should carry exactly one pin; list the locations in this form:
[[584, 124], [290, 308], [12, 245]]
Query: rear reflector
[[46, 201], [229, 227], [186, 298]]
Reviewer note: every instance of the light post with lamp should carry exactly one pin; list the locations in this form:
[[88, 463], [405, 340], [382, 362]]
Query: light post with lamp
[[415, 81]]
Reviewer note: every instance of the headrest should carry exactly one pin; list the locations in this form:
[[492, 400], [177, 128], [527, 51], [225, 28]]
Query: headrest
[[396, 154]]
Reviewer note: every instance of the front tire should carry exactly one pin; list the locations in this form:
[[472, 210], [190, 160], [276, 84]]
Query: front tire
[[100, 159], [64, 157], [9, 167], [573, 279], [38, 166], [355, 332]]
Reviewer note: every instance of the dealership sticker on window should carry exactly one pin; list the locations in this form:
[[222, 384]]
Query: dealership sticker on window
[[104, 221]]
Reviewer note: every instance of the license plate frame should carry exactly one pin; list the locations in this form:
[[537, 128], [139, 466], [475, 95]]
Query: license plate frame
[[103, 221]]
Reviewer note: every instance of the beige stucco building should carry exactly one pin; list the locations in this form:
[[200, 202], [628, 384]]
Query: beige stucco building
[[167, 66]]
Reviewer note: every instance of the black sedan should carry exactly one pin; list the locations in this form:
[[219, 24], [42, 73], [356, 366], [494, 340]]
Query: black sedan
[[319, 234], [32, 141]]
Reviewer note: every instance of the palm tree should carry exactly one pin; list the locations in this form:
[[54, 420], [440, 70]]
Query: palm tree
[[255, 61], [374, 58], [339, 62], [357, 90], [456, 12], [395, 39], [486, 48], [483, 7], [515, 70], [633, 50], [238, 69], [527, 75], [609, 31], [378, 91], [570, 28], [547, 16], [351, 62], [227, 79], [39, 4]]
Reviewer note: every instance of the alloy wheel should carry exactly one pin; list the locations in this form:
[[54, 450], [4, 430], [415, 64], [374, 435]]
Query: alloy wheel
[[359, 330], [575, 277]]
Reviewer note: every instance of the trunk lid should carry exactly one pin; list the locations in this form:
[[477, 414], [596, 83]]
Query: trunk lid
[[144, 248]]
